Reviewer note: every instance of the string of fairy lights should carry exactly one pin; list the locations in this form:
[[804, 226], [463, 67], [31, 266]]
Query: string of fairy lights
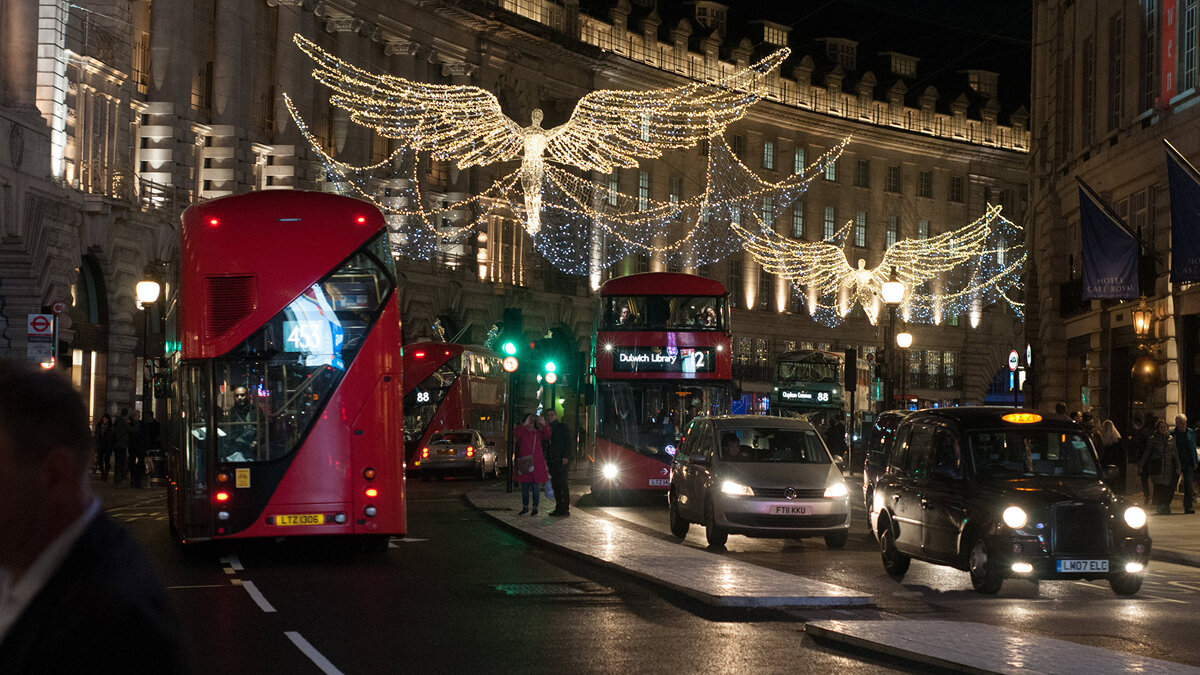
[[565, 195]]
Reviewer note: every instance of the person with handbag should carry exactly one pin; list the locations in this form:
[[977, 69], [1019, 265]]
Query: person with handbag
[[530, 467]]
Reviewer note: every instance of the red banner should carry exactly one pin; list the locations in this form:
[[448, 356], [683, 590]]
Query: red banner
[[1169, 35]]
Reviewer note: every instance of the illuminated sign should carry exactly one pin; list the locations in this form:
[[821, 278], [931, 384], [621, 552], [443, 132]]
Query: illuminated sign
[[661, 360], [805, 396]]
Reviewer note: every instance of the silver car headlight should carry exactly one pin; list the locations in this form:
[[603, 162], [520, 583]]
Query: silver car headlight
[[836, 491], [737, 489], [1014, 517], [1135, 517]]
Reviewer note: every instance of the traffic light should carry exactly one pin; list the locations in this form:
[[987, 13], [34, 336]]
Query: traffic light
[[509, 347], [550, 368]]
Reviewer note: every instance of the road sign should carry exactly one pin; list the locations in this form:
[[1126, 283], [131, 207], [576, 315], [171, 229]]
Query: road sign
[[41, 325], [58, 307], [1013, 360]]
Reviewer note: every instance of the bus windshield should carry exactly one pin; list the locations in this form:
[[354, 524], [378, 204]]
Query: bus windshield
[[650, 417], [812, 368], [663, 312], [996, 453]]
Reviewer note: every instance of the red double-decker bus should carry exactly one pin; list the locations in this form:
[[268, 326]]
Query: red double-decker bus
[[451, 386], [661, 356], [284, 412]]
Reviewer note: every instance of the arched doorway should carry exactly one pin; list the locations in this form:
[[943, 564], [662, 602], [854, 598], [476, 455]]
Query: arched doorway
[[88, 312]]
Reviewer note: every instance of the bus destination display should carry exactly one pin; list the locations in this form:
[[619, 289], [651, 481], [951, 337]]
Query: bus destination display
[[663, 360]]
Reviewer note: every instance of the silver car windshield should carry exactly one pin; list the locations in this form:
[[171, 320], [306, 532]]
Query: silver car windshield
[[766, 444], [1031, 452]]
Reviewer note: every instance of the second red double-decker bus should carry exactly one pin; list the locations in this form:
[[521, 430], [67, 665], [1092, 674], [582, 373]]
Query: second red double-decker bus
[[661, 357], [451, 386], [284, 414]]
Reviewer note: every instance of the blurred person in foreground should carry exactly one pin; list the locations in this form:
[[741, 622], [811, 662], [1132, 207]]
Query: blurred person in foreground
[[77, 593]]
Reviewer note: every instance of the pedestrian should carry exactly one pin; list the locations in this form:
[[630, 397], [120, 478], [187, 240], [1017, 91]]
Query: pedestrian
[[1141, 439], [1060, 408], [1185, 445], [122, 435], [77, 593], [137, 450], [1161, 463], [560, 450], [1112, 453], [104, 446], [530, 467]]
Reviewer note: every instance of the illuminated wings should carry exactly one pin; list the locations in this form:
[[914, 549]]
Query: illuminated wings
[[453, 122], [611, 128]]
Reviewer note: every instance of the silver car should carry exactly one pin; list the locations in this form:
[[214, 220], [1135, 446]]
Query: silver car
[[461, 451], [760, 477]]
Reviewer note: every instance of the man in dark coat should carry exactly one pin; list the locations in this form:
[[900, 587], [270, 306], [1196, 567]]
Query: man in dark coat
[[77, 593], [559, 450]]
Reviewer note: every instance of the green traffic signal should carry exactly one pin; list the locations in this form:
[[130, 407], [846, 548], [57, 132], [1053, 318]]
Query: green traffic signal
[[509, 348], [550, 367]]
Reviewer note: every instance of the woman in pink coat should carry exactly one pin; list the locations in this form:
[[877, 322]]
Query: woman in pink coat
[[529, 436]]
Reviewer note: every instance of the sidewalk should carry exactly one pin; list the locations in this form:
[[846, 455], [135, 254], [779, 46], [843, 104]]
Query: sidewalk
[[1176, 538]]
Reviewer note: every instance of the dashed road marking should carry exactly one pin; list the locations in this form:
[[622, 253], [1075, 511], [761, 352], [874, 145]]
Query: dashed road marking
[[311, 652], [255, 594]]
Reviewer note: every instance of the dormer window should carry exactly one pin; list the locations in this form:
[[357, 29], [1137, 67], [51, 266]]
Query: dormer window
[[983, 82], [902, 65], [775, 34], [711, 15], [844, 52]]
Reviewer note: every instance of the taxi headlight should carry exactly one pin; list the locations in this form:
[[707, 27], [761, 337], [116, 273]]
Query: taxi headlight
[[609, 471], [731, 488], [1135, 517], [836, 491], [1014, 517]]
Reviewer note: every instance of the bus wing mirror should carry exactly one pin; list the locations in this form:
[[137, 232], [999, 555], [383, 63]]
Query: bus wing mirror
[[700, 460], [840, 461]]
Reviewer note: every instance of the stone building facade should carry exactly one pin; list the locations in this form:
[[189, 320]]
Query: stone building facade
[[119, 114], [1101, 114]]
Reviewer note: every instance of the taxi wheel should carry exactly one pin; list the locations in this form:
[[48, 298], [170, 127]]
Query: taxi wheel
[[985, 573], [1125, 583], [715, 536], [837, 539], [895, 563], [679, 526]]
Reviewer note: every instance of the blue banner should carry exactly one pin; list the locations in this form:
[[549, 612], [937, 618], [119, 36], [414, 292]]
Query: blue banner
[[1110, 254], [1185, 220]]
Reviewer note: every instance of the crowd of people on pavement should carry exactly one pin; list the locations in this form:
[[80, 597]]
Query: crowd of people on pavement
[[1163, 455], [121, 447]]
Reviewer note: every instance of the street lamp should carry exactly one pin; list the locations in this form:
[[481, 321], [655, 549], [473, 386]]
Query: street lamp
[[904, 341], [891, 292], [147, 294]]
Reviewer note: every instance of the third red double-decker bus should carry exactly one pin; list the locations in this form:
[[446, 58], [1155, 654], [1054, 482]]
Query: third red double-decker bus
[[284, 414], [451, 386], [661, 357]]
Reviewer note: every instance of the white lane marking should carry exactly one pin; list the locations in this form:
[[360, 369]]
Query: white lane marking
[[311, 652], [174, 588], [255, 594], [405, 540], [235, 562]]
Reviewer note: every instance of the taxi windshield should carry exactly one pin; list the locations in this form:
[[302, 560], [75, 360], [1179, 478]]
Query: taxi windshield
[[1026, 452]]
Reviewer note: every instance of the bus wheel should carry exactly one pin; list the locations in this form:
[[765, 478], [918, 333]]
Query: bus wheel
[[679, 526]]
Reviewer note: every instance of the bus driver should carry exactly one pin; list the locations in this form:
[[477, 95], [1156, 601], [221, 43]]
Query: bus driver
[[242, 424]]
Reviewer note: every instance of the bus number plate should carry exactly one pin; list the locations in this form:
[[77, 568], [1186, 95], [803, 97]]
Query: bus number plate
[[660, 482], [300, 519]]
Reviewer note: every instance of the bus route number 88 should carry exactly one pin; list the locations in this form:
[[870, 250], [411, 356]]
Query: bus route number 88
[[422, 397]]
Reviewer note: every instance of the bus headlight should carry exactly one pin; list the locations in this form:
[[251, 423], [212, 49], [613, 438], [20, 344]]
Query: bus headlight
[[731, 488], [836, 491], [1135, 517], [609, 471], [1014, 517]]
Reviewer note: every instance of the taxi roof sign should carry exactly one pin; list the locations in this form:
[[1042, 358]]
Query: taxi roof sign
[[1022, 418]]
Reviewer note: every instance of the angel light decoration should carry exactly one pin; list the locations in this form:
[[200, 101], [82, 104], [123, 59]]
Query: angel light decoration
[[608, 128]]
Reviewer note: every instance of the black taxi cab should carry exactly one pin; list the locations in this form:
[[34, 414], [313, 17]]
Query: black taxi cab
[[1004, 493]]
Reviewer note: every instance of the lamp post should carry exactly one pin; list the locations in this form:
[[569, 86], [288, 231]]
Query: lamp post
[[147, 294], [904, 341], [891, 292]]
